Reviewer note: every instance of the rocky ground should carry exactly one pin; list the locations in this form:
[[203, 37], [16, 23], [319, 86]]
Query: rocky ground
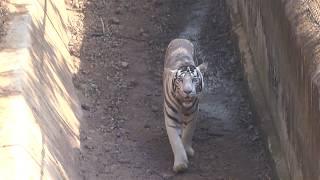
[[120, 45]]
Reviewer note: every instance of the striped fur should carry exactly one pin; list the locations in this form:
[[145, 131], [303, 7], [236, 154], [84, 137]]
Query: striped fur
[[182, 85]]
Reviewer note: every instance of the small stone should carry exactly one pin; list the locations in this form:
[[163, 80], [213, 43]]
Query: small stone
[[149, 171], [141, 31], [88, 147], [167, 176], [124, 161], [147, 126], [82, 71], [157, 3], [132, 83], [91, 131], [118, 134], [124, 64], [154, 108], [146, 35], [255, 138], [118, 10], [85, 107], [214, 20], [114, 20], [93, 85]]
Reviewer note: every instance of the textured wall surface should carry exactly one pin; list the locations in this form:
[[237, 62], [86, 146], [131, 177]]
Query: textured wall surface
[[282, 39], [39, 111]]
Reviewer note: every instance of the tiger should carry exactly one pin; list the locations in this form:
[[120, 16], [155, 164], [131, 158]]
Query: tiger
[[182, 86]]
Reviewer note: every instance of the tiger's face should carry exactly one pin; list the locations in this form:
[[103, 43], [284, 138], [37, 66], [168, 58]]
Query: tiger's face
[[187, 83]]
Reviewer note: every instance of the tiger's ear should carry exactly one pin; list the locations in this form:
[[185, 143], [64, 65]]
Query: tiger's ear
[[170, 70], [203, 67]]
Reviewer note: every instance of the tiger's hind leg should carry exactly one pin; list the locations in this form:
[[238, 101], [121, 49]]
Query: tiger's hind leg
[[187, 134], [180, 156]]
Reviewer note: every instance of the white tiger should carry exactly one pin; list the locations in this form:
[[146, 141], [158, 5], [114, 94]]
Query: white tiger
[[182, 85]]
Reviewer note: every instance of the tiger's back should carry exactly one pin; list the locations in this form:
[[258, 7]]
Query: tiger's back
[[179, 52]]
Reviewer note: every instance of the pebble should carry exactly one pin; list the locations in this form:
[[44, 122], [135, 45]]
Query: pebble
[[157, 3], [255, 138], [124, 64], [149, 171], [88, 147], [118, 11], [114, 20], [85, 107], [124, 161], [167, 176], [141, 31], [147, 126], [154, 108], [118, 134]]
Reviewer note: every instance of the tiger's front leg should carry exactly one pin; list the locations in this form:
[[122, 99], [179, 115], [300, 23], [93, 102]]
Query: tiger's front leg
[[180, 156], [187, 133]]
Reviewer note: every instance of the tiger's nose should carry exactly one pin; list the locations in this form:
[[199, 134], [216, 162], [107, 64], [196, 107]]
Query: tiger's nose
[[187, 90]]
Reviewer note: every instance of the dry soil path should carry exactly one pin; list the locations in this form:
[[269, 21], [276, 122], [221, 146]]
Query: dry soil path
[[121, 46]]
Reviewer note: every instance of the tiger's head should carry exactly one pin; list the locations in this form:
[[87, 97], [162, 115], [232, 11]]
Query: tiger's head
[[188, 83]]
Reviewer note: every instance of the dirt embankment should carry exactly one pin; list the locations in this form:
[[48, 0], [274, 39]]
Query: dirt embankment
[[121, 46]]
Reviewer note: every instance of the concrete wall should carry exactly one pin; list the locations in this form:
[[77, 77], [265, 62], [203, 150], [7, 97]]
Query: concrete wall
[[280, 45], [39, 111]]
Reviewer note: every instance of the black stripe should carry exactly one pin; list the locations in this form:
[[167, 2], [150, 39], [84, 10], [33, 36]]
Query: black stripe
[[170, 97], [178, 101], [171, 117], [170, 105], [167, 94], [187, 122], [189, 113]]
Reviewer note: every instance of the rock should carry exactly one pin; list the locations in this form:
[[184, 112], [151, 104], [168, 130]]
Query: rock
[[157, 3], [124, 64], [154, 108], [94, 86], [114, 20], [118, 134], [149, 171], [141, 30], [147, 126], [167, 176], [132, 83], [85, 107], [146, 35], [88, 147], [124, 161], [214, 20], [118, 10], [255, 138]]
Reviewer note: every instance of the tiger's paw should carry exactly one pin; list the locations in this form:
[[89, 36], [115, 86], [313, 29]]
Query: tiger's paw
[[178, 168], [190, 151]]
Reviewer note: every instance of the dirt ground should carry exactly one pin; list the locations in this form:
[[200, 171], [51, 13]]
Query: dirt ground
[[121, 46]]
